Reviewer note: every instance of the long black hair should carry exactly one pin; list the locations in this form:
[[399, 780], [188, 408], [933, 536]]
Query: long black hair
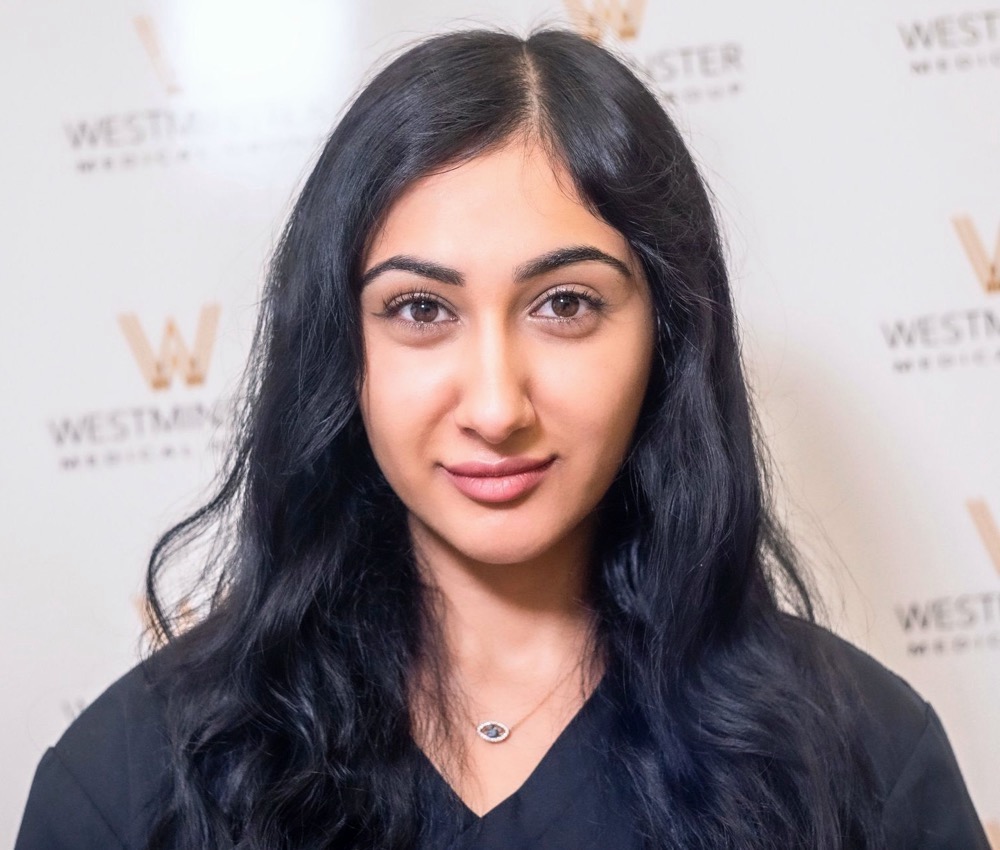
[[287, 703]]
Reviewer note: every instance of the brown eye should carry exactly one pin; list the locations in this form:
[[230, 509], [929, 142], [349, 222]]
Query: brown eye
[[423, 311], [565, 306], [415, 308], [570, 307]]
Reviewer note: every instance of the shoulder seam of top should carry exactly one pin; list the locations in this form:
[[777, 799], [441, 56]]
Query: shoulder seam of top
[[916, 746], [89, 799]]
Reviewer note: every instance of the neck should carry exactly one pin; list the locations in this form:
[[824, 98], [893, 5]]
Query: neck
[[513, 623]]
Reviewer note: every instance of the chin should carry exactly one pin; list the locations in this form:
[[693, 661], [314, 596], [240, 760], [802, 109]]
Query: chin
[[499, 537], [506, 543], [502, 555]]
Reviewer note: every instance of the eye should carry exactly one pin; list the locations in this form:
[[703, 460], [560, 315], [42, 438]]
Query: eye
[[421, 311], [418, 309], [567, 305]]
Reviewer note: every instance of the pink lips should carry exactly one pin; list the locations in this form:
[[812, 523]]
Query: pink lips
[[498, 482]]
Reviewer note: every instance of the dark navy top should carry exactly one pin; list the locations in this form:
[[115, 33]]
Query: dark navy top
[[96, 789]]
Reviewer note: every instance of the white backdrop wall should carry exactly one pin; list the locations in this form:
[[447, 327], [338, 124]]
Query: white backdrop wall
[[149, 154]]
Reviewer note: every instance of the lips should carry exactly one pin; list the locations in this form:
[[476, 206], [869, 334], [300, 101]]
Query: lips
[[499, 481]]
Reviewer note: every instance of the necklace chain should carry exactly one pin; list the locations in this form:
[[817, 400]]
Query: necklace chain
[[495, 731]]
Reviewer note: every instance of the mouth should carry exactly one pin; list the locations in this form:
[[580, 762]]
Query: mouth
[[500, 481]]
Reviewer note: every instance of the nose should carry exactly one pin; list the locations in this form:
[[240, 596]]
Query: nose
[[494, 402]]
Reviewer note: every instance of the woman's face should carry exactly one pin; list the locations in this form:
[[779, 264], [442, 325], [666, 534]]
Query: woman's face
[[508, 336]]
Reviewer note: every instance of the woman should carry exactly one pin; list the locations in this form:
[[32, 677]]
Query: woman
[[498, 568]]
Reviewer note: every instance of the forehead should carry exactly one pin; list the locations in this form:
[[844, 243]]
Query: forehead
[[508, 203]]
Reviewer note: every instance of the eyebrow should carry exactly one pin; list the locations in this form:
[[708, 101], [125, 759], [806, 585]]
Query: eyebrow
[[550, 261]]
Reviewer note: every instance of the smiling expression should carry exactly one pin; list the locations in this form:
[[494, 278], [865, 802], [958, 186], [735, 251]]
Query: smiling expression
[[508, 334]]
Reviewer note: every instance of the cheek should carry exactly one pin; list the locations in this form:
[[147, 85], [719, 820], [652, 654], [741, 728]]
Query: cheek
[[591, 405], [596, 391], [402, 396]]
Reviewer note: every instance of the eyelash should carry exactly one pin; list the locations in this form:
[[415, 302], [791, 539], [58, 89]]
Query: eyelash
[[593, 301], [392, 306]]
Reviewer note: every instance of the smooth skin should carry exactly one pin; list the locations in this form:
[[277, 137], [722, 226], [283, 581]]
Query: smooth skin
[[504, 319]]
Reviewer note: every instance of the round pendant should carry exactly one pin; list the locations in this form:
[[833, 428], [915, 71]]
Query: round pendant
[[493, 731]]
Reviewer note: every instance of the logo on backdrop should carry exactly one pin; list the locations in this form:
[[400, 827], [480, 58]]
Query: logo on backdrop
[[146, 30], [952, 43], [966, 622], [176, 132], [174, 358], [688, 74], [173, 419], [183, 615], [986, 525], [987, 270], [962, 335], [593, 19]]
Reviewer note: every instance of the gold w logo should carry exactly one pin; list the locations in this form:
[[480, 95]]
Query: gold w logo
[[623, 17], [987, 527], [146, 30], [174, 356], [986, 270]]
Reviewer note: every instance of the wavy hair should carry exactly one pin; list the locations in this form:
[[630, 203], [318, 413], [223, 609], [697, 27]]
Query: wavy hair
[[287, 703]]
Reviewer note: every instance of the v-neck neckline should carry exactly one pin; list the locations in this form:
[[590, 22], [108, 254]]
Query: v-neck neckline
[[547, 766]]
